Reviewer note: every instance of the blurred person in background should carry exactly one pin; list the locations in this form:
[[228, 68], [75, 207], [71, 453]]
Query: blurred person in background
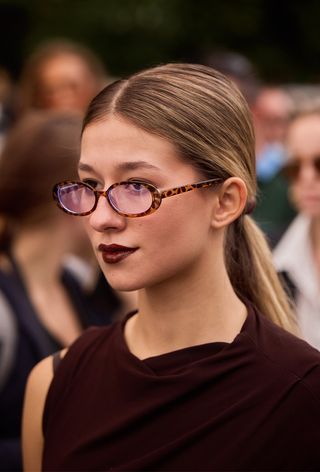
[[61, 75], [304, 96], [238, 68], [43, 306], [271, 111], [271, 107], [6, 112], [297, 255], [200, 377]]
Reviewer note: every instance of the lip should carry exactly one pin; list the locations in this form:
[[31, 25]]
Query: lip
[[114, 253], [310, 199], [309, 196]]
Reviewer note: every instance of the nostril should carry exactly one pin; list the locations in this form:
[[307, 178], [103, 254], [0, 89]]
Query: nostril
[[104, 217]]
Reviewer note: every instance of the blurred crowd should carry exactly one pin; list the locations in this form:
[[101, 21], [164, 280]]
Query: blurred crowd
[[286, 120], [50, 286]]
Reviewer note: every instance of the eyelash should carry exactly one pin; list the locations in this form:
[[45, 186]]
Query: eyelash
[[94, 184], [91, 182], [141, 180]]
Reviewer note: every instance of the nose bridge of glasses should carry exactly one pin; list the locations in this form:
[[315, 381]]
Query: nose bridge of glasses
[[105, 194], [315, 163], [306, 167]]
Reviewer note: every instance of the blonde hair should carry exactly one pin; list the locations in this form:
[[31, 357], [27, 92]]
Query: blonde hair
[[203, 114]]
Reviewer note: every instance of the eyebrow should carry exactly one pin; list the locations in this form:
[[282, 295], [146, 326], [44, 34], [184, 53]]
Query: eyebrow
[[83, 166], [123, 166]]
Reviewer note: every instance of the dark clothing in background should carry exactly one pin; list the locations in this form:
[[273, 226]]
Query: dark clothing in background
[[33, 343], [253, 404], [273, 211], [288, 285]]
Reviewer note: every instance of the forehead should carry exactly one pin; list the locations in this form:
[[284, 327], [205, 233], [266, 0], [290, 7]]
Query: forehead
[[108, 143], [304, 135], [63, 65], [273, 102]]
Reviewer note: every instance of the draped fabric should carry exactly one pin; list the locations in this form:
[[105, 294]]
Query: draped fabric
[[253, 404], [24, 341]]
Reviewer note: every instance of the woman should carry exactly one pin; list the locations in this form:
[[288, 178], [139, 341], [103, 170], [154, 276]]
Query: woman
[[298, 253], [200, 377], [43, 308], [60, 75]]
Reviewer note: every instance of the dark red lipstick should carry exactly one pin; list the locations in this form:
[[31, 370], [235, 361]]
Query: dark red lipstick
[[114, 253]]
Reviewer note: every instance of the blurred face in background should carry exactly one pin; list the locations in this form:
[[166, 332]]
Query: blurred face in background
[[270, 114], [65, 83], [303, 168]]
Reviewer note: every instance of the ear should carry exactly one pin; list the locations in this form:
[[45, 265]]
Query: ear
[[230, 203]]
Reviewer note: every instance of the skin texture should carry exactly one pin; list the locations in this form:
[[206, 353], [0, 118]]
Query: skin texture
[[185, 295], [303, 143], [179, 247], [181, 222]]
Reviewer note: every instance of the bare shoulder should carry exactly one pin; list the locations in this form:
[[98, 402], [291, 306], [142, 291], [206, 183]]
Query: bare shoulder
[[40, 378], [37, 388]]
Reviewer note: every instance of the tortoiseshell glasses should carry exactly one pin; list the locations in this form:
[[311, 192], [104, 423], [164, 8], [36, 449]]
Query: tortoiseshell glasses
[[132, 198]]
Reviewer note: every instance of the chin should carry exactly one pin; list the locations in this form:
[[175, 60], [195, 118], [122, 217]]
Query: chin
[[122, 284], [311, 211], [313, 215]]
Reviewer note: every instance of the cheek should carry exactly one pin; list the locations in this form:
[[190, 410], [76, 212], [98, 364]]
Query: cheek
[[295, 194], [176, 220], [299, 188], [88, 229], [175, 239], [170, 241], [306, 198]]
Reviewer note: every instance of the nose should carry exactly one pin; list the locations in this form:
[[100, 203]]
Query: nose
[[104, 217]]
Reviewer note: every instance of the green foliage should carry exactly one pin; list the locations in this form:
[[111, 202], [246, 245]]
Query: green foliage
[[282, 39]]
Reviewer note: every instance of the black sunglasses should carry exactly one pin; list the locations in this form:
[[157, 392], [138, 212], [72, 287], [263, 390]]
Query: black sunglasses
[[292, 169]]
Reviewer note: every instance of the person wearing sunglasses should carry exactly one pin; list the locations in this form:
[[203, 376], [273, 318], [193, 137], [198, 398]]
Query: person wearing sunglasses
[[205, 375], [297, 255]]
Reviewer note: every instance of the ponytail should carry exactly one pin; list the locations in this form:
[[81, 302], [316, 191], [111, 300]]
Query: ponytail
[[252, 274], [204, 115]]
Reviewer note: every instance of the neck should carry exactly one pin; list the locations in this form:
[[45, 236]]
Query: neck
[[315, 241], [188, 311], [38, 251], [315, 232]]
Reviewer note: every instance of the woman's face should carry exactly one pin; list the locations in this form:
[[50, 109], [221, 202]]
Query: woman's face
[[65, 83], [303, 145], [165, 244]]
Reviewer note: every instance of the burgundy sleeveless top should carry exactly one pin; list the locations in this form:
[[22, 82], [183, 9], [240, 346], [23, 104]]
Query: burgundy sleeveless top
[[253, 404]]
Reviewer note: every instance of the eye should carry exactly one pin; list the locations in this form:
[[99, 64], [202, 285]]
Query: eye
[[91, 182], [137, 186], [137, 189]]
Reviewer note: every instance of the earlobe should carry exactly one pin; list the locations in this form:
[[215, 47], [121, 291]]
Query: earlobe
[[230, 203]]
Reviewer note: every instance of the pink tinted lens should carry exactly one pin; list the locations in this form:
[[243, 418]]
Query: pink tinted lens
[[130, 198], [76, 198]]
